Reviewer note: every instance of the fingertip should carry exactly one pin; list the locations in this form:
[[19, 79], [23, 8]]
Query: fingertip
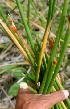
[[58, 96], [66, 93], [23, 85]]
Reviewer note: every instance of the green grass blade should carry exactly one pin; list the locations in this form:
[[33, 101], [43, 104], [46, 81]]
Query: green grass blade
[[49, 12], [53, 53], [28, 12], [49, 79], [63, 50], [24, 22], [3, 16]]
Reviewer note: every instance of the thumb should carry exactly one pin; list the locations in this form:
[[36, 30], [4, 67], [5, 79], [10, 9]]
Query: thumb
[[57, 97]]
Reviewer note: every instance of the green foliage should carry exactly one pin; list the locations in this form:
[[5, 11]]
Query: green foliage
[[14, 89]]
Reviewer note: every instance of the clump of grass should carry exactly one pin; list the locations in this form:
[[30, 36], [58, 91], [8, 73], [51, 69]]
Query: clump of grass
[[44, 62]]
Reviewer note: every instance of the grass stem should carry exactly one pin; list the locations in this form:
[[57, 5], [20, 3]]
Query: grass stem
[[24, 22]]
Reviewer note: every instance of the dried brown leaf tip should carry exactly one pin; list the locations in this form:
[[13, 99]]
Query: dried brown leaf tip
[[51, 43], [69, 18], [54, 62], [10, 19], [13, 29]]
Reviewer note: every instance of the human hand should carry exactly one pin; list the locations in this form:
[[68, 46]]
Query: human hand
[[27, 100]]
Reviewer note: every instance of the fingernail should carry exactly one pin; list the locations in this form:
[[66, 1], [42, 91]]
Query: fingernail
[[66, 93], [23, 85]]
